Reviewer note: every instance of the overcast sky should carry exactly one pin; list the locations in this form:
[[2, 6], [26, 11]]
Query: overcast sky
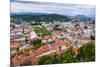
[[57, 8]]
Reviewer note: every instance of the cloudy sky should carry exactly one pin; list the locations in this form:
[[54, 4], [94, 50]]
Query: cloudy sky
[[51, 8]]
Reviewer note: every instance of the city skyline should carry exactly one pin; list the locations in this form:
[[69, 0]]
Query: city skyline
[[49, 33]]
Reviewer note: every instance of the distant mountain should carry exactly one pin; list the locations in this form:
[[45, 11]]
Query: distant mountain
[[82, 17], [39, 17]]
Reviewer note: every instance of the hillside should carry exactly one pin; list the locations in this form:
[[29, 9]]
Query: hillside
[[40, 17]]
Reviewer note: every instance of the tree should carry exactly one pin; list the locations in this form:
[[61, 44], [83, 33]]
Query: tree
[[67, 57], [46, 60], [57, 59], [92, 37], [42, 31], [87, 53]]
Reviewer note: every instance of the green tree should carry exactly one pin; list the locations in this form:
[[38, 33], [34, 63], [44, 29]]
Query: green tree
[[67, 57], [87, 53], [46, 60], [57, 59], [92, 37], [42, 31]]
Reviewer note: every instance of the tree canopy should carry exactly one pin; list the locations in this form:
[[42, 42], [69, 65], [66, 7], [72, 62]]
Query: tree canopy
[[86, 54]]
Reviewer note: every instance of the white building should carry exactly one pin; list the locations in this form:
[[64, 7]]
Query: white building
[[33, 35]]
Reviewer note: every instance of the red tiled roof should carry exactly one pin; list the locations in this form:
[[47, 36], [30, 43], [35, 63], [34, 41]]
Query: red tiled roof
[[35, 60], [39, 51]]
